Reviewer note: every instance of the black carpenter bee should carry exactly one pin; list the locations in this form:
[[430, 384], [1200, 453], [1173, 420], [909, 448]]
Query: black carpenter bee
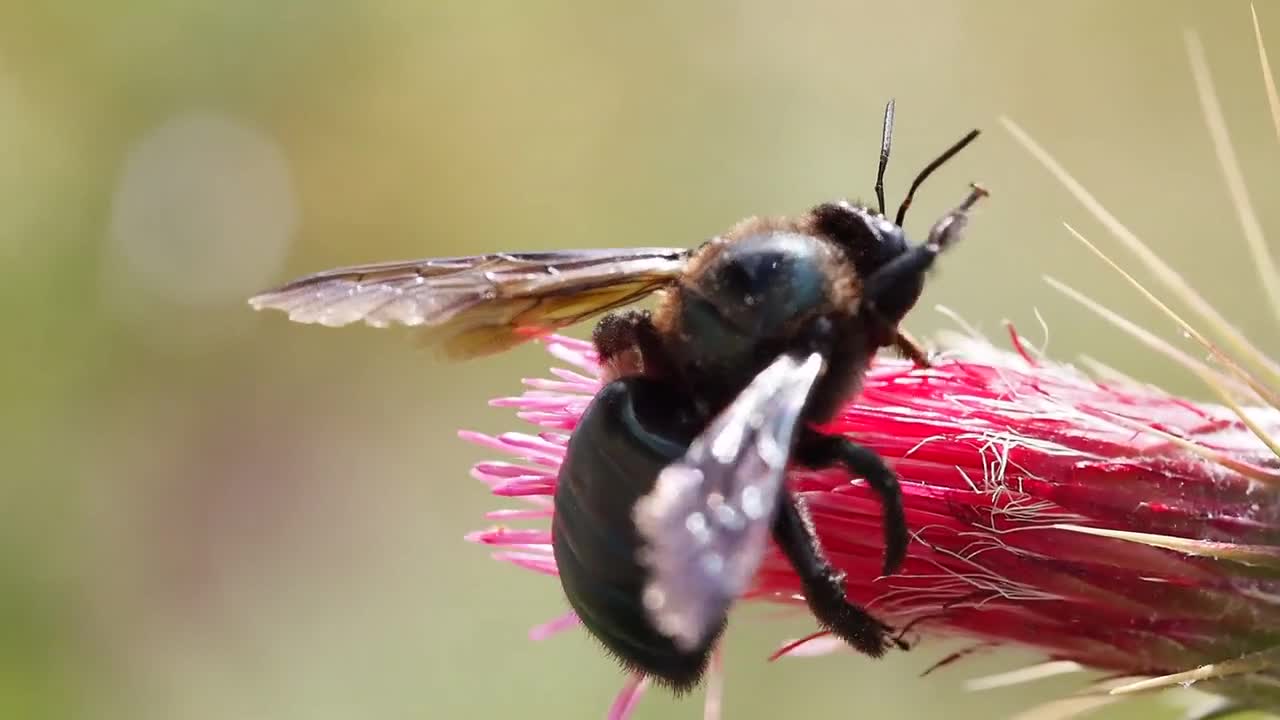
[[674, 478]]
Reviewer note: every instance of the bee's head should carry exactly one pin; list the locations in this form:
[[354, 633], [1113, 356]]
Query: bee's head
[[868, 238], [871, 241], [890, 270]]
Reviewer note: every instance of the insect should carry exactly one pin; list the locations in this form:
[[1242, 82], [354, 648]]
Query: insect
[[674, 479]]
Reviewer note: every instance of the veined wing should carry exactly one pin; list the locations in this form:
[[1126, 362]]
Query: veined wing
[[480, 304]]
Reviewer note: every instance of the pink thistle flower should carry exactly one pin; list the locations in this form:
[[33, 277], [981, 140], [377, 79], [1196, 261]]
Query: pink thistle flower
[[1026, 484], [1103, 522]]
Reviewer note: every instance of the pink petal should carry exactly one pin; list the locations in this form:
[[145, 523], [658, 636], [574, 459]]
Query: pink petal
[[565, 622], [628, 697]]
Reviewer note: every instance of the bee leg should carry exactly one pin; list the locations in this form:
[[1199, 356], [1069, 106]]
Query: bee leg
[[822, 451], [628, 344], [824, 585], [910, 349]]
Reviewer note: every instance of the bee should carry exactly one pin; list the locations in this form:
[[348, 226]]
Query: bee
[[674, 479]]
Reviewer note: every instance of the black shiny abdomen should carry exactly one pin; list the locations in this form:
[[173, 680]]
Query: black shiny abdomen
[[631, 430]]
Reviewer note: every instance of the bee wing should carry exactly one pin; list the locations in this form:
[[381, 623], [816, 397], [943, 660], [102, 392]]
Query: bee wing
[[706, 523], [479, 304]]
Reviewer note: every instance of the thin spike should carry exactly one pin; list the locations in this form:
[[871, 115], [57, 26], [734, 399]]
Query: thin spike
[[1166, 274], [1252, 472], [1258, 556], [1251, 663], [1273, 98], [1133, 329], [1210, 377], [1266, 393], [1022, 676], [964, 325], [1043, 350], [1232, 173], [1272, 443], [1091, 698]]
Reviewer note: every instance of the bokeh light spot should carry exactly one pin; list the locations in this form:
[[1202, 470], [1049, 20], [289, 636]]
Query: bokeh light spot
[[203, 213]]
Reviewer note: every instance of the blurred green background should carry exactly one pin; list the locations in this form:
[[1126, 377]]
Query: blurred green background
[[207, 513]]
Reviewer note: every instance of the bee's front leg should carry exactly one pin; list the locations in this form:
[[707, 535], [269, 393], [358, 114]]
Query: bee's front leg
[[629, 344], [909, 348], [822, 451]]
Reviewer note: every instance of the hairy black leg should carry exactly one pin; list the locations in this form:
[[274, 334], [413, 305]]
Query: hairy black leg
[[824, 585], [821, 451], [629, 344]]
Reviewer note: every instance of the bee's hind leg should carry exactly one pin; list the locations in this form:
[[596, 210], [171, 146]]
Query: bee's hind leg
[[628, 344], [824, 588]]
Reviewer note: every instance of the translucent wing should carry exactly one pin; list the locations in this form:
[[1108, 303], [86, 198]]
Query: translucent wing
[[479, 304], [706, 523]]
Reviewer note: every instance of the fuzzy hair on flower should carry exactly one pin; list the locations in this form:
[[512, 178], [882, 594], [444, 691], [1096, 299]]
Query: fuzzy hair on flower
[[1109, 525]]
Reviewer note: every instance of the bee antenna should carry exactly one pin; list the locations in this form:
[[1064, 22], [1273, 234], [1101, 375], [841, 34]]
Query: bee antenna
[[928, 170], [886, 139]]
